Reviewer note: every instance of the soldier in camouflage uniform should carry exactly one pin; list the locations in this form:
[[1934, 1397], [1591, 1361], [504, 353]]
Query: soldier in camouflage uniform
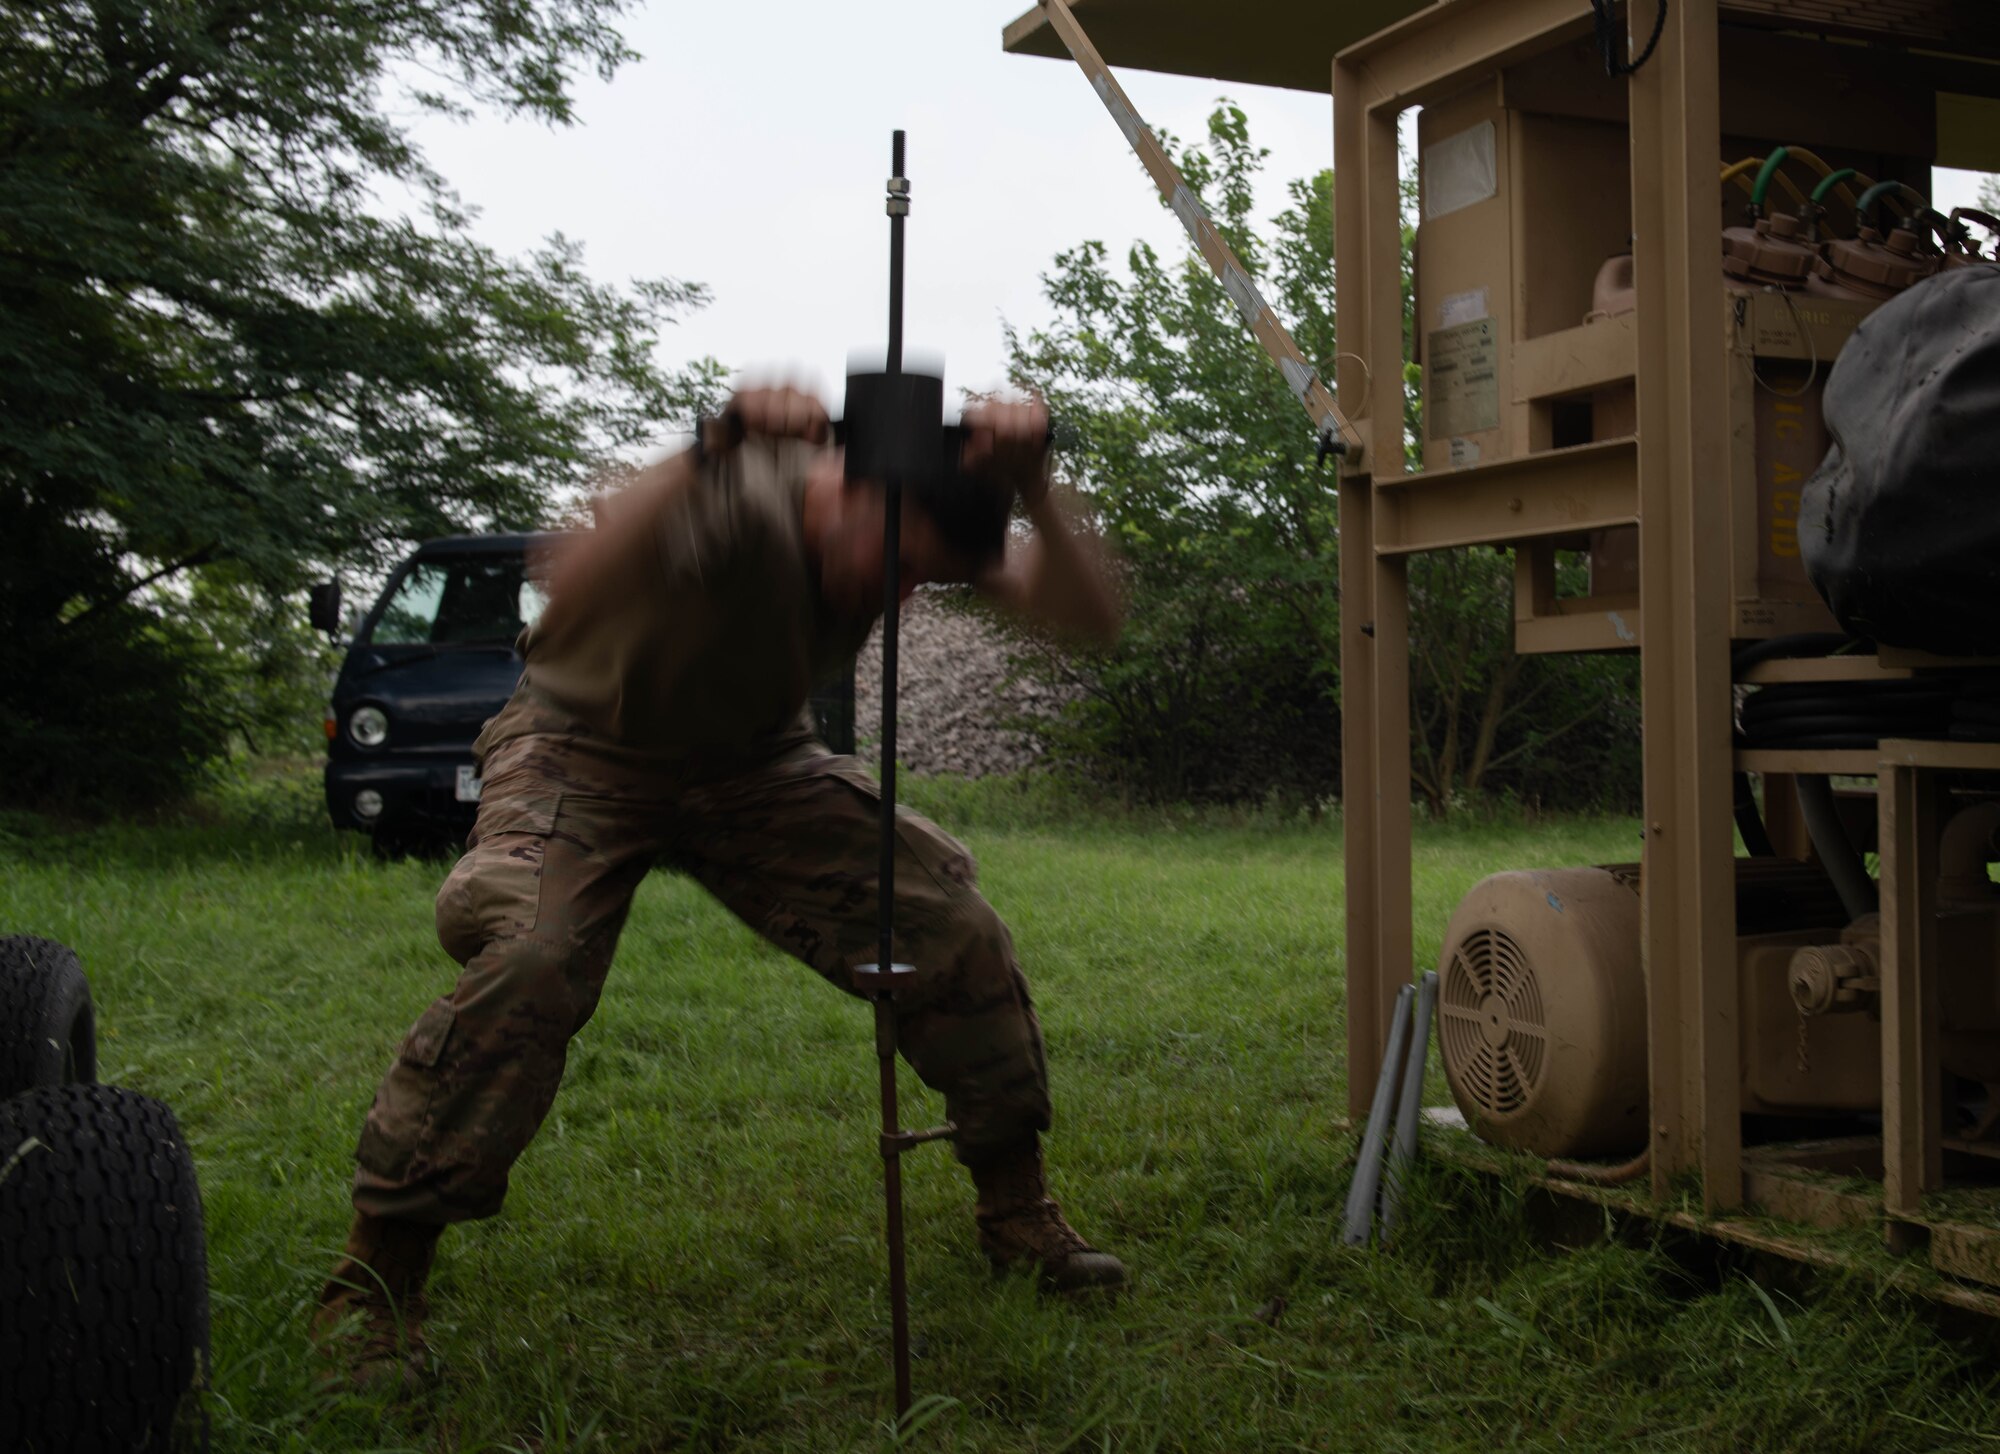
[[660, 719]]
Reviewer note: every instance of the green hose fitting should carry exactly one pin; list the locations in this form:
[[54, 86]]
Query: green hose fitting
[[1770, 169], [1880, 190], [1829, 182]]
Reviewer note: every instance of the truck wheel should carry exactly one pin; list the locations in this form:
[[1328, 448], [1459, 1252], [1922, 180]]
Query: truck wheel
[[103, 1275], [390, 841], [48, 1031], [427, 842]]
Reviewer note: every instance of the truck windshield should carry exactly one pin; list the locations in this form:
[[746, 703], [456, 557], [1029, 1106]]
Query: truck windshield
[[463, 600]]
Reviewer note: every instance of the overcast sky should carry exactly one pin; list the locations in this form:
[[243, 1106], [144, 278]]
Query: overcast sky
[[748, 148]]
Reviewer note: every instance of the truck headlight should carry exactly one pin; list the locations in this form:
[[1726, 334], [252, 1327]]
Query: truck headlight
[[369, 726], [368, 804]]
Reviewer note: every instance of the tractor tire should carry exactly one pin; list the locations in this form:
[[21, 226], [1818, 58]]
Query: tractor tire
[[48, 1030], [103, 1276]]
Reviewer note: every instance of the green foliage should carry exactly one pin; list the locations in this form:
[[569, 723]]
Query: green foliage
[[270, 668], [1190, 447], [135, 701], [110, 714], [1560, 730], [1193, 451], [216, 347]]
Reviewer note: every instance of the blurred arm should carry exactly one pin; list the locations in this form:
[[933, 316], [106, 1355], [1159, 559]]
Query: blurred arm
[[1061, 577], [629, 515]]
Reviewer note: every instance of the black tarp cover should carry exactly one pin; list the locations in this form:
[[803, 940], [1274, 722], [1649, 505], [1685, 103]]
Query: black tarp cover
[[1900, 527]]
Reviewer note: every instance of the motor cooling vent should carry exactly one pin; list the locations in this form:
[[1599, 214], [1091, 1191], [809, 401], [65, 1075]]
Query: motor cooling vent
[[1490, 1023]]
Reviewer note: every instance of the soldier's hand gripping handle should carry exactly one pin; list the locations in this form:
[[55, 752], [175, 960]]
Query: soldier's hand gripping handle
[[778, 413]]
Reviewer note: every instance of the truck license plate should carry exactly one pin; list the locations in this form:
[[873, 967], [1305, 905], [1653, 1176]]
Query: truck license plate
[[468, 784]]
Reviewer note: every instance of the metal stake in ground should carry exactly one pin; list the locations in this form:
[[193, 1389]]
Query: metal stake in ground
[[894, 411]]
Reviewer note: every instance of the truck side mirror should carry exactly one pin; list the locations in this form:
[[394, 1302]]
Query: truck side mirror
[[324, 613]]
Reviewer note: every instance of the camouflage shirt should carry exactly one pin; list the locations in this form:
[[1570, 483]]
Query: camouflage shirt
[[702, 631]]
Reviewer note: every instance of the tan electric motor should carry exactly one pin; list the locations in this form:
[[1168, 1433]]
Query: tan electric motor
[[1542, 1012]]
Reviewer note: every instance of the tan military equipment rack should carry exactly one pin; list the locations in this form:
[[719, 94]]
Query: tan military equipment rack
[[1665, 437]]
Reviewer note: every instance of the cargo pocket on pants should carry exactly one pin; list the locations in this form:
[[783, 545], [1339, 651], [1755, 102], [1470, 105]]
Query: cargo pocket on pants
[[948, 863], [399, 1122], [425, 1042], [495, 892]]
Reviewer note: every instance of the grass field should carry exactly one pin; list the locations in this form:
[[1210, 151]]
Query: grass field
[[691, 1255]]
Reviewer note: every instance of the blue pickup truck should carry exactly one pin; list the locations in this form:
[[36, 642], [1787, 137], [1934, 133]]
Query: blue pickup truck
[[431, 661]]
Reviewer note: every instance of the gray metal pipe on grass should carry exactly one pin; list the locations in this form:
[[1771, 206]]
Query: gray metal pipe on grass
[[1368, 1170], [1409, 1104]]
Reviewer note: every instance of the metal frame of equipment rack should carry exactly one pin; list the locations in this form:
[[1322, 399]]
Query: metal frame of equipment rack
[[1672, 478]]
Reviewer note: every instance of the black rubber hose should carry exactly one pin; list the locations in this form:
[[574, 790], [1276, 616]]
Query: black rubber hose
[[1830, 714], [1836, 852], [1827, 717], [1749, 822], [1791, 729], [1826, 697], [1784, 648], [1609, 40], [1821, 742]]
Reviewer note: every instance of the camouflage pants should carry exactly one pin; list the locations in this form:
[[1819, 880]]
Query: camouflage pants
[[533, 911]]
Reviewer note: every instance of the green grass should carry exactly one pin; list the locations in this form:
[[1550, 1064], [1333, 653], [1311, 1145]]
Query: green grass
[[691, 1255]]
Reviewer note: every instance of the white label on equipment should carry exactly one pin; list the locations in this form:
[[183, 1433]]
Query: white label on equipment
[[1464, 453], [1462, 381], [1460, 171], [469, 784], [1463, 308]]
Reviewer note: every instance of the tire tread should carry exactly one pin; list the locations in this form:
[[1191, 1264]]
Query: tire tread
[[103, 1274], [43, 993]]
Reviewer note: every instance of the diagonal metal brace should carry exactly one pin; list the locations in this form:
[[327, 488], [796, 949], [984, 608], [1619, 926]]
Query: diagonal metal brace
[[1336, 435]]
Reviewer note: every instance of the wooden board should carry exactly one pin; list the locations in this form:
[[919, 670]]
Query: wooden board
[[1290, 42]]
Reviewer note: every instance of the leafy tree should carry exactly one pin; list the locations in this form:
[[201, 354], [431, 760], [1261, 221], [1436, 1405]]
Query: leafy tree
[[1195, 454], [1554, 729], [1190, 446], [218, 353]]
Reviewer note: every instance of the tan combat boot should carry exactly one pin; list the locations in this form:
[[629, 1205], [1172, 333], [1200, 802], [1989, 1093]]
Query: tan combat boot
[[1020, 1226], [371, 1312]]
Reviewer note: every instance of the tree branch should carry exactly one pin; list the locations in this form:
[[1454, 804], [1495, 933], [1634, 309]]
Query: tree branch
[[200, 557]]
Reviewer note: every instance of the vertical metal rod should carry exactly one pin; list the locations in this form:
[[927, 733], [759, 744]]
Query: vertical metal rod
[[896, 215], [892, 1184], [892, 531], [885, 1013]]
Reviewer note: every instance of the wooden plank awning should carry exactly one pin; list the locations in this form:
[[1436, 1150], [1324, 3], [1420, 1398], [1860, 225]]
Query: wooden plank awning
[[1292, 42], [1287, 43]]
